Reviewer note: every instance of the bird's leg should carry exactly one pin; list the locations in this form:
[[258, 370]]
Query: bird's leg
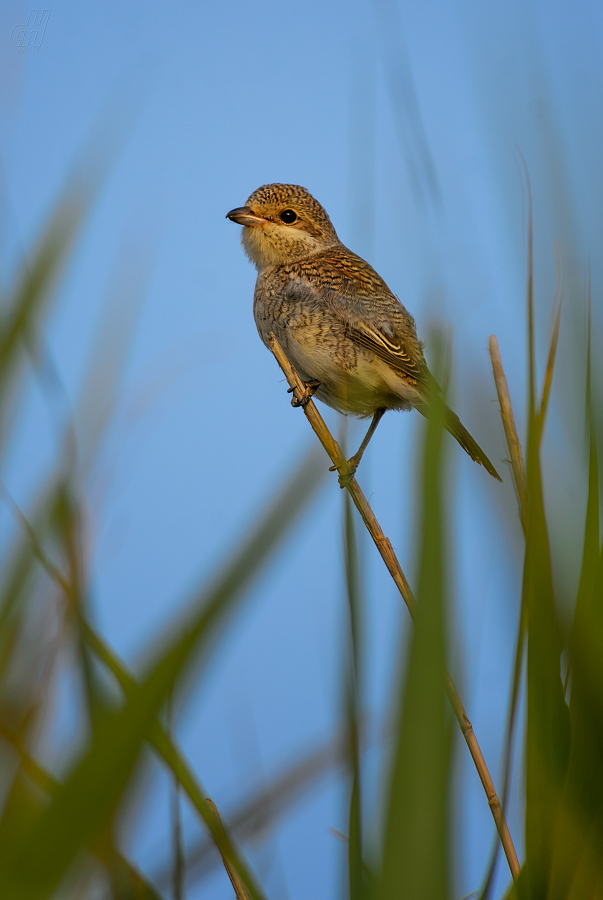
[[354, 461], [310, 389]]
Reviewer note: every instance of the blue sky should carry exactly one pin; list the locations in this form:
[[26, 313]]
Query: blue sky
[[405, 121]]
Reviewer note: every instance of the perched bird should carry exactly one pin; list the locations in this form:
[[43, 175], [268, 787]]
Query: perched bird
[[350, 339]]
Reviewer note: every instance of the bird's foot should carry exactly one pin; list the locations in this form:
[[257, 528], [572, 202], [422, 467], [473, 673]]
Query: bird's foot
[[346, 477], [310, 388]]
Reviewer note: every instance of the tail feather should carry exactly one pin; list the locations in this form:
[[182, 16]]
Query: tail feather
[[453, 424]]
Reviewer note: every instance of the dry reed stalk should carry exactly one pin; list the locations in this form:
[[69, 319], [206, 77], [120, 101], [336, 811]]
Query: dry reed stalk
[[386, 551], [239, 888], [508, 420]]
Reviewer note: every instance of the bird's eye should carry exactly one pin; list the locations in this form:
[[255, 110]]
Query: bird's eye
[[288, 216]]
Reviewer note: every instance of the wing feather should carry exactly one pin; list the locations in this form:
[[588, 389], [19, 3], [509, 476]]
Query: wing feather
[[359, 299], [393, 352]]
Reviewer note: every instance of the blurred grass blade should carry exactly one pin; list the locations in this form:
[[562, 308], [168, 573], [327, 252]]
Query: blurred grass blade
[[259, 812], [131, 881], [109, 353], [530, 297], [406, 108], [126, 882], [519, 475], [507, 757], [66, 530], [538, 419], [172, 757], [158, 737], [577, 870], [510, 429], [415, 851], [239, 886], [353, 703], [578, 863], [548, 727], [557, 303], [548, 375], [17, 575], [178, 868], [32, 869], [590, 554], [35, 286]]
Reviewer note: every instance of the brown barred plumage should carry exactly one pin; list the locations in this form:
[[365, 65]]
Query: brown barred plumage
[[336, 319]]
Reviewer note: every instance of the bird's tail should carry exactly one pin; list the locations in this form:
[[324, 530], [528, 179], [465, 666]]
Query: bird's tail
[[453, 424]]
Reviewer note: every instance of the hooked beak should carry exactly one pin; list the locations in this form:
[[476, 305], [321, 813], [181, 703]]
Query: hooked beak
[[243, 215]]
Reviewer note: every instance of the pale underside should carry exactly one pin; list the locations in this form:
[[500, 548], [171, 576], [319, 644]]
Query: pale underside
[[359, 390]]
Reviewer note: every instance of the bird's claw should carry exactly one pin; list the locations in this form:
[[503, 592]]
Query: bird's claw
[[310, 388], [346, 477], [295, 403]]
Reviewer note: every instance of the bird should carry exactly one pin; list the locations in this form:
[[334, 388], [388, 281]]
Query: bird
[[352, 342]]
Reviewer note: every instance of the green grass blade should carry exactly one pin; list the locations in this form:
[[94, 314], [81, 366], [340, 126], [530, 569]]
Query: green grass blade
[[577, 870], [18, 574], [590, 555], [161, 742], [530, 297], [539, 420], [548, 375], [158, 737], [507, 756], [36, 284], [548, 727], [576, 867], [132, 882], [34, 867], [353, 704], [179, 869], [259, 812], [415, 849], [20, 562], [66, 530]]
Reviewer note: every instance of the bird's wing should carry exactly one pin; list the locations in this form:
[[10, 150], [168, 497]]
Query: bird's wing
[[393, 349], [350, 290]]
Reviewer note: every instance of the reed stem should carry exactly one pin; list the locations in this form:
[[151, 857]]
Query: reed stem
[[386, 552]]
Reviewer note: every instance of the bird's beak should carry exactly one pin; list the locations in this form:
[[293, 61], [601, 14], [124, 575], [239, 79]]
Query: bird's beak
[[243, 215]]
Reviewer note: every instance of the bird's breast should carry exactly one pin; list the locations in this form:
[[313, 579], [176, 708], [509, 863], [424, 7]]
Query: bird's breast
[[316, 344]]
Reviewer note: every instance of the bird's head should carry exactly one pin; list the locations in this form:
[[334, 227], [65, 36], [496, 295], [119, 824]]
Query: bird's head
[[283, 223]]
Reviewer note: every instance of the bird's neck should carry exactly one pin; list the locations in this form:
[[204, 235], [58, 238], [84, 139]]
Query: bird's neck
[[266, 249]]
